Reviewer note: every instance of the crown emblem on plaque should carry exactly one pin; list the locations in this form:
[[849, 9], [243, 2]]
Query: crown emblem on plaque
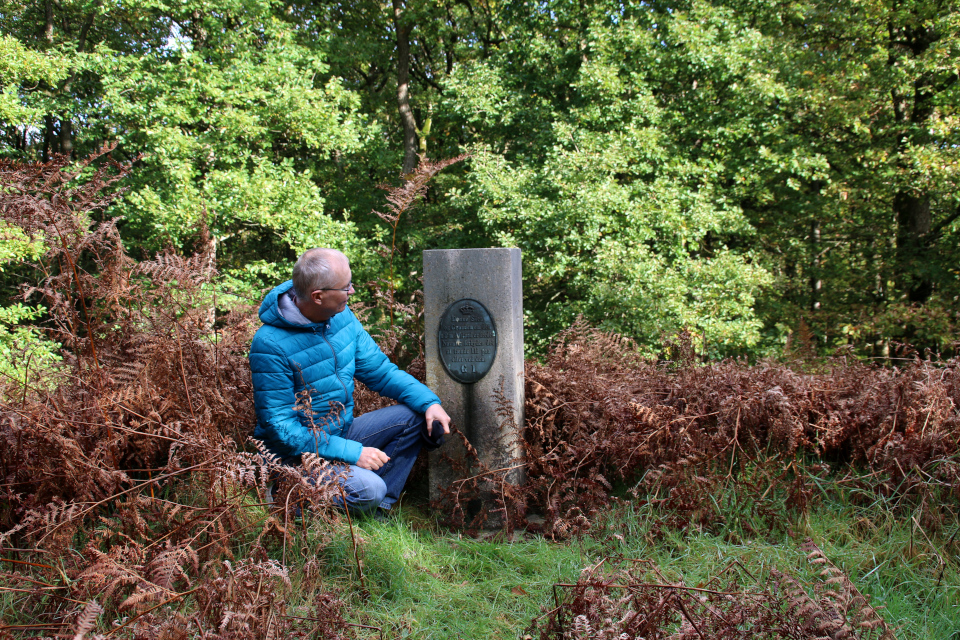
[[466, 309]]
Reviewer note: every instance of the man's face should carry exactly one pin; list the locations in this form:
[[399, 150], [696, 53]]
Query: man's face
[[330, 302]]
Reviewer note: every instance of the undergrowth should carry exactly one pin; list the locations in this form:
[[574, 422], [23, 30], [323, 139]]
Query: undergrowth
[[126, 492], [134, 505], [597, 416]]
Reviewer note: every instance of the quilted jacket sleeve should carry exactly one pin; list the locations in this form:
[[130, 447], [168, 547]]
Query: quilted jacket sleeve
[[376, 371], [279, 423]]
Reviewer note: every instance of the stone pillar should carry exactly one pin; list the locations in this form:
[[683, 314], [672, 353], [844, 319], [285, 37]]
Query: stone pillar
[[492, 278]]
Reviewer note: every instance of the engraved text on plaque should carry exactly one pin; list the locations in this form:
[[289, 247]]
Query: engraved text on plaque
[[468, 340]]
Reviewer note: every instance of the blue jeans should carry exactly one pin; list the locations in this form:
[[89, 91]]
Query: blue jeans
[[400, 433]]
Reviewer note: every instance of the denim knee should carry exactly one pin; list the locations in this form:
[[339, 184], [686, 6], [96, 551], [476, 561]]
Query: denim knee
[[365, 490]]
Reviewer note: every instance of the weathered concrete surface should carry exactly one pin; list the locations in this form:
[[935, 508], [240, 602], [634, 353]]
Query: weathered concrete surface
[[493, 278]]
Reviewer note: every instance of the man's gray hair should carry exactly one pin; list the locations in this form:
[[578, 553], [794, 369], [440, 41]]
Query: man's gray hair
[[316, 269]]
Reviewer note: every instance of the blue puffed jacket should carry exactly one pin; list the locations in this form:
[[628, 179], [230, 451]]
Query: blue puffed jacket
[[324, 357]]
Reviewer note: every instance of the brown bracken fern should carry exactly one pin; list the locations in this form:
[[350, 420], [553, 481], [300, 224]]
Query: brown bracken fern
[[677, 434], [620, 599], [137, 451], [401, 200]]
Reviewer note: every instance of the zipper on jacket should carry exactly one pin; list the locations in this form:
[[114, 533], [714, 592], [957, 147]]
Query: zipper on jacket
[[336, 368]]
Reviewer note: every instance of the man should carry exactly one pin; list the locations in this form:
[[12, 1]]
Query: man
[[311, 341]]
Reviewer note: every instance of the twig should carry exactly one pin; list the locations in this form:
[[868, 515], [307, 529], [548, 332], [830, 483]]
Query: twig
[[186, 387], [94, 505], [46, 585], [349, 624], [240, 530], [943, 565], [654, 585], [82, 296], [32, 564], [34, 591], [205, 511], [487, 473], [734, 442], [53, 625], [149, 435], [353, 539], [286, 522], [688, 616], [26, 378], [929, 542]]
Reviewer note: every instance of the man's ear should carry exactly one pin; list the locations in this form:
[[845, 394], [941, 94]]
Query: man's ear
[[317, 296]]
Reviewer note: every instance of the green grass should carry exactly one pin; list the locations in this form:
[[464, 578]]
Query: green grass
[[425, 582]]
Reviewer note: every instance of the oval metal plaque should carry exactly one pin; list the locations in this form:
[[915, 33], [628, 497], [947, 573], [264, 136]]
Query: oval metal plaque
[[468, 341]]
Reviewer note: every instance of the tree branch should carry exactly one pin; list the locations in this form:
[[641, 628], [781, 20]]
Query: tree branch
[[937, 230]]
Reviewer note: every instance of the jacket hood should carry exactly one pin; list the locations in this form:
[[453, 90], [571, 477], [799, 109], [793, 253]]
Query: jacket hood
[[270, 309]]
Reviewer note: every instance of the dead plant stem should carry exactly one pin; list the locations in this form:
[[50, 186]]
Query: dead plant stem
[[183, 373], [734, 442], [353, 540]]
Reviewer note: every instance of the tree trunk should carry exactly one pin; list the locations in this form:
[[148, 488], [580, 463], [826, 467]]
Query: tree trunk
[[913, 228], [816, 282], [403, 89], [66, 124], [911, 208], [66, 135], [424, 132], [48, 21], [47, 136], [48, 118]]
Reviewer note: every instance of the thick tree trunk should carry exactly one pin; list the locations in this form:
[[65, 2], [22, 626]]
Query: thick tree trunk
[[48, 21], [47, 136], [913, 228], [403, 89], [66, 135], [911, 208]]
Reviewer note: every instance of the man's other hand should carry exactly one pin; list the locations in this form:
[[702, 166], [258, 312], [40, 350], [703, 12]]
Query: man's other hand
[[436, 412], [372, 459]]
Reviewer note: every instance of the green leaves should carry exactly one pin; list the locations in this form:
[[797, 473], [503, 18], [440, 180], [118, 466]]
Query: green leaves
[[736, 168], [617, 219], [22, 66], [26, 356], [219, 125]]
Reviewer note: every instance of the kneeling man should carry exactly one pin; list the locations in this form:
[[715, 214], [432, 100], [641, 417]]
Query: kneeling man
[[311, 340]]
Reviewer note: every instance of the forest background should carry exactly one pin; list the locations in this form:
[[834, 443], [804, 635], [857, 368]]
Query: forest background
[[764, 175], [748, 178]]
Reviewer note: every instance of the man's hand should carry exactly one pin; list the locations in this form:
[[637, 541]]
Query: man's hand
[[436, 412], [372, 459]]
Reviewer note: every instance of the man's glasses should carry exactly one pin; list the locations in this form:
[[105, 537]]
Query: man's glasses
[[347, 289]]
